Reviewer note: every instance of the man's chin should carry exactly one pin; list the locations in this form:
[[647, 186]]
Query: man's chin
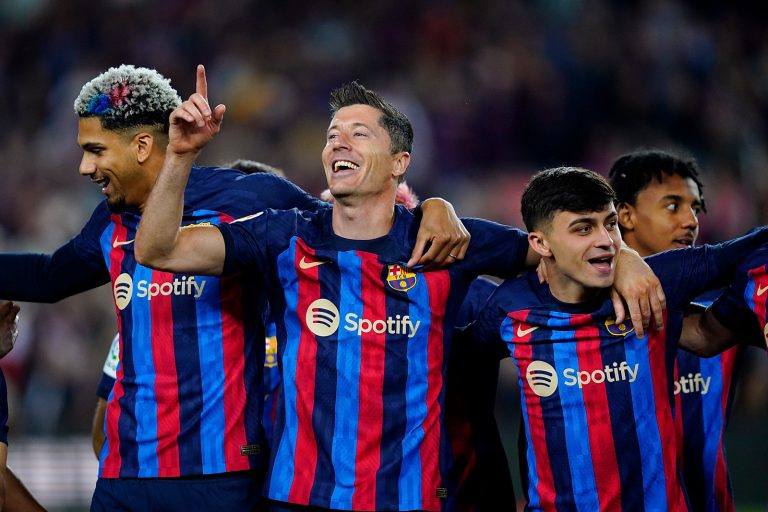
[[116, 205]]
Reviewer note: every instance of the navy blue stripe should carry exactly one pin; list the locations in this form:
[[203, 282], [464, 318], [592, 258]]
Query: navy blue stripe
[[254, 307], [693, 438], [187, 357], [393, 414], [624, 429]]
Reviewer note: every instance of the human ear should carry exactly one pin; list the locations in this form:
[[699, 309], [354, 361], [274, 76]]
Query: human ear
[[538, 242]]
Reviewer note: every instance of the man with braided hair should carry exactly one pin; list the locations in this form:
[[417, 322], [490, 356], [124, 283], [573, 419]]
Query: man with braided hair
[[183, 421]]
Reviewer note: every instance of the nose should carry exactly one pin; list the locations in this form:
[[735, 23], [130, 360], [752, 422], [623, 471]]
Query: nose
[[690, 220], [87, 165], [604, 239], [341, 141]]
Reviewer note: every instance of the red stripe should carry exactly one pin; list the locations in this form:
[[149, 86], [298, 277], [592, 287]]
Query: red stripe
[[166, 379], [604, 464], [305, 455], [232, 338], [439, 285], [679, 424], [536, 429], [371, 408], [722, 491], [113, 460], [657, 362]]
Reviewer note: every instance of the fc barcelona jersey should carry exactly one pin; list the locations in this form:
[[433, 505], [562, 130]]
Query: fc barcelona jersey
[[704, 390], [362, 348], [188, 393], [596, 400]]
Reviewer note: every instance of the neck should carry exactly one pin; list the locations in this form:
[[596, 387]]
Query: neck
[[362, 220], [629, 239], [565, 289]]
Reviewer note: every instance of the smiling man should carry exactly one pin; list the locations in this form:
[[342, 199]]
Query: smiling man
[[362, 338], [659, 198], [596, 398]]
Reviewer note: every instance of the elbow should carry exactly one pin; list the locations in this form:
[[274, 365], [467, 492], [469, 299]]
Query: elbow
[[145, 255]]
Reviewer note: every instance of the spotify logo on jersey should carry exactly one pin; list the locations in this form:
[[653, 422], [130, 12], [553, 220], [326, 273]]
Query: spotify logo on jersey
[[322, 317], [542, 378], [123, 290]]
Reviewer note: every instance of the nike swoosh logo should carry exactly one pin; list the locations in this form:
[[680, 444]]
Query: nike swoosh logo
[[524, 332], [761, 290], [117, 243], [304, 264]]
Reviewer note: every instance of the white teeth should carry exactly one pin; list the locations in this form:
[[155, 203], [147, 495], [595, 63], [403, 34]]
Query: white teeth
[[344, 163]]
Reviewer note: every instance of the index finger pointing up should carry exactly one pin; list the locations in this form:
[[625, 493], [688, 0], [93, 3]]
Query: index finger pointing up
[[201, 86]]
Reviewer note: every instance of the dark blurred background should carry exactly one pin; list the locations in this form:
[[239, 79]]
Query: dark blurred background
[[496, 90]]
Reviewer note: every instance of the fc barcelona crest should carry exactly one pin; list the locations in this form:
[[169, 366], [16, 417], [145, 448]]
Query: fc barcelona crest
[[400, 278], [621, 329]]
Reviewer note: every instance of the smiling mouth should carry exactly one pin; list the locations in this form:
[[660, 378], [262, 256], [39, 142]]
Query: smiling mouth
[[344, 165], [102, 182], [602, 265], [684, 242]]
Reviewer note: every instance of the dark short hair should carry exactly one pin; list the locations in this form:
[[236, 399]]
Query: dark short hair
[[395, 122], [252, 166], [126, 97], [563, 189], [633, 171]]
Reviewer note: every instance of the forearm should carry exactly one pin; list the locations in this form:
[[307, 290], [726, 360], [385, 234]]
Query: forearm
[[47, 277], [705, 336], [728, 254], [158, 231]]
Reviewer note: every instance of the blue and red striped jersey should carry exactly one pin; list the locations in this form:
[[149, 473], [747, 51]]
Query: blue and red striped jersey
[[362, 346], [704, 390], [596, 400], [188, 396], [478, 471]]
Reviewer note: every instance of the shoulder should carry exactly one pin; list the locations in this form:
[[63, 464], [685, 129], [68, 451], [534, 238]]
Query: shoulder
[[522, 291]]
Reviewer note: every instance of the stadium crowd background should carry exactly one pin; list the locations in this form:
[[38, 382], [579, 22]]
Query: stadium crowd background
[[496, 89]]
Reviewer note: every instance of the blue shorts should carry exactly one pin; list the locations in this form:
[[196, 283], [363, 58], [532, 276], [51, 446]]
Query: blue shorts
[[225, 492]]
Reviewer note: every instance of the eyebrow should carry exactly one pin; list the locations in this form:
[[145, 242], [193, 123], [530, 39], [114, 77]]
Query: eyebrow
[[90, 146], [677, 197], [591, 220], [354, 125]]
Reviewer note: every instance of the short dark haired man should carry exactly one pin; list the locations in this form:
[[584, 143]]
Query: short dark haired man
[[659, 197]]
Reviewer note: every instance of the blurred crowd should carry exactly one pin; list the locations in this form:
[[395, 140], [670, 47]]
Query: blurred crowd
[[496, 89]]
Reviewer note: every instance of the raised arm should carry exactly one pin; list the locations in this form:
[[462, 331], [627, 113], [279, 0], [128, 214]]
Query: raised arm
[[160, 242]]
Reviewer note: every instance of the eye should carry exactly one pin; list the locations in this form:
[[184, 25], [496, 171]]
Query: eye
[[333, 136], [611, 224], [360, 134], [672, 207], [584, 230]]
